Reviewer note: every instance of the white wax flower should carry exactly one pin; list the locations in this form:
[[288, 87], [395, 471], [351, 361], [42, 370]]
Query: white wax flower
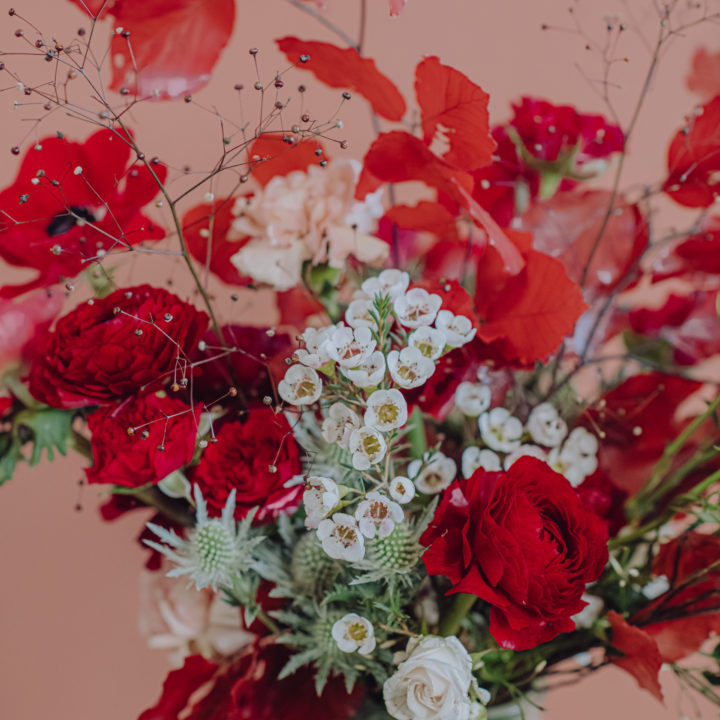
[[320, 497], [577, 458], [300, 386], [314, 354], [367, 446], [472, 399], [522, 451], [433, 474], [582, 443], [429, 341], [545, 425], [339, 424], [370, 374], [386, 410], [417, 307], [409, 368], [377, 515], [349, 347], [500, 430], [474, 457], [458, 329], [390, 282], [341, 538], [402, 489], [358, 314], [354, 633], [432, 682]]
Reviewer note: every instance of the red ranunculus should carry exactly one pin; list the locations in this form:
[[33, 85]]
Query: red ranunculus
[[248, 688], [108, 349], [72, 200], [124, 455], [521, 541], [255, 456]]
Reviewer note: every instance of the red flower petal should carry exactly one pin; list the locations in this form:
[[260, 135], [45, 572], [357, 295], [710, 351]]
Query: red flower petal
[[704, 77], [697, 254], [452, 105], [425, 217], [641, 659], [279, 158], [396, 6], [346, 68], [694, 159]]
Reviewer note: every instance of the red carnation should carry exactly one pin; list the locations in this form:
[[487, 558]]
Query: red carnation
[[521, 541], [108, 349], [256, 457], [71, 201], [132, 459]]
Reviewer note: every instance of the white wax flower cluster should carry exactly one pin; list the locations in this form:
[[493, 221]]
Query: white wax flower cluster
[[506, 438]]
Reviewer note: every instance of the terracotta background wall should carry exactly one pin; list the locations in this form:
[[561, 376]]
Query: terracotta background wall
[[70, 647]]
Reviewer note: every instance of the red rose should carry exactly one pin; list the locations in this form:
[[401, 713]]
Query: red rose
[[248, 688], [108, 349], [53, 217], [136, 459], [521, 541], [256, 457]]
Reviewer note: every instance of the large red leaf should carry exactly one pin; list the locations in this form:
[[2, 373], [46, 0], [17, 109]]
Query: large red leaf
[[453, 106], [174, 43], [531, 312], [698, 253], [704, 77], [280, 158], [641, 657], [426, 216], [346, 68], [207, 231], [694, 159]]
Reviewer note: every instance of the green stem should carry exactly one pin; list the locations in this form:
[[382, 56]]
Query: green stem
[[416, 434], [450, 624]]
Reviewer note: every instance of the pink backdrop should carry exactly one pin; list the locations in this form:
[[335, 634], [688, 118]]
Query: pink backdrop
[[69, 592]]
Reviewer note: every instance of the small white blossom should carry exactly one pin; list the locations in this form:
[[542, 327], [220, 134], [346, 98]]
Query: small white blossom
[[458, 329], [358, 314], [417, 307], [314, 354], [339, 424], [341, 538], [582, 443], [389, 282], [354, 633], [472, 399], [378, 515], [402, 489], [655, 588], [367, 446], [349, 347], [370, 374], [320, 497], [432, 475], [409, 368], [429, 341], [500, 430], [474, 457], [300, 386], [386, 410], [522, 451], [545, 425], [577, 458]]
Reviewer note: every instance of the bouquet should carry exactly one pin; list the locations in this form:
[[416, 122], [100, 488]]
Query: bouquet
[[475, 452]]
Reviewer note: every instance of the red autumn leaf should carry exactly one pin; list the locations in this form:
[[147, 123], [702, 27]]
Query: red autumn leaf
[[346, 68], [641, 657], [278, 158], [694, 159], [704, 77], [532, 312], [207, 230], [452, 258], [567, 226], [698, 253], [453, 106], [174, 43], [426, 216], [179, 686]]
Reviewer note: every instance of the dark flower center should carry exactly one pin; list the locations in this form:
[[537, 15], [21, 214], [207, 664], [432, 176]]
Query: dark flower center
[[65, 222]]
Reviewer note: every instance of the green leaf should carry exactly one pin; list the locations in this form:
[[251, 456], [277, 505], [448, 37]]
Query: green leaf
[[49, 429], [9, 455]]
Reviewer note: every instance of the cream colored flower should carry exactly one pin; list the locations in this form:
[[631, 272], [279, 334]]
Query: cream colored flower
[[300, 386], [370, 374], [389, 282], [358, 314], [339, 424], [433, 474], [409, 368], [354, 633], [522, 451], [367, 446], [472, 399], [349, 347], [320, 497], [341, 538], [500, 430], [377, 515], [314, 354], [429, 341], [474, 457], [545, 425], [458, 329], [417, 307], [402, 489], [386, 410]]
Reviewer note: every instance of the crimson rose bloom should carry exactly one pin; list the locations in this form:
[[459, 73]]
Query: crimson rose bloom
[[134, 460], [521, 541], [256, 457], [108, 349]]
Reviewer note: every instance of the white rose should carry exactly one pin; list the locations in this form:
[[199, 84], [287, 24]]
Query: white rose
[[432, 682]]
